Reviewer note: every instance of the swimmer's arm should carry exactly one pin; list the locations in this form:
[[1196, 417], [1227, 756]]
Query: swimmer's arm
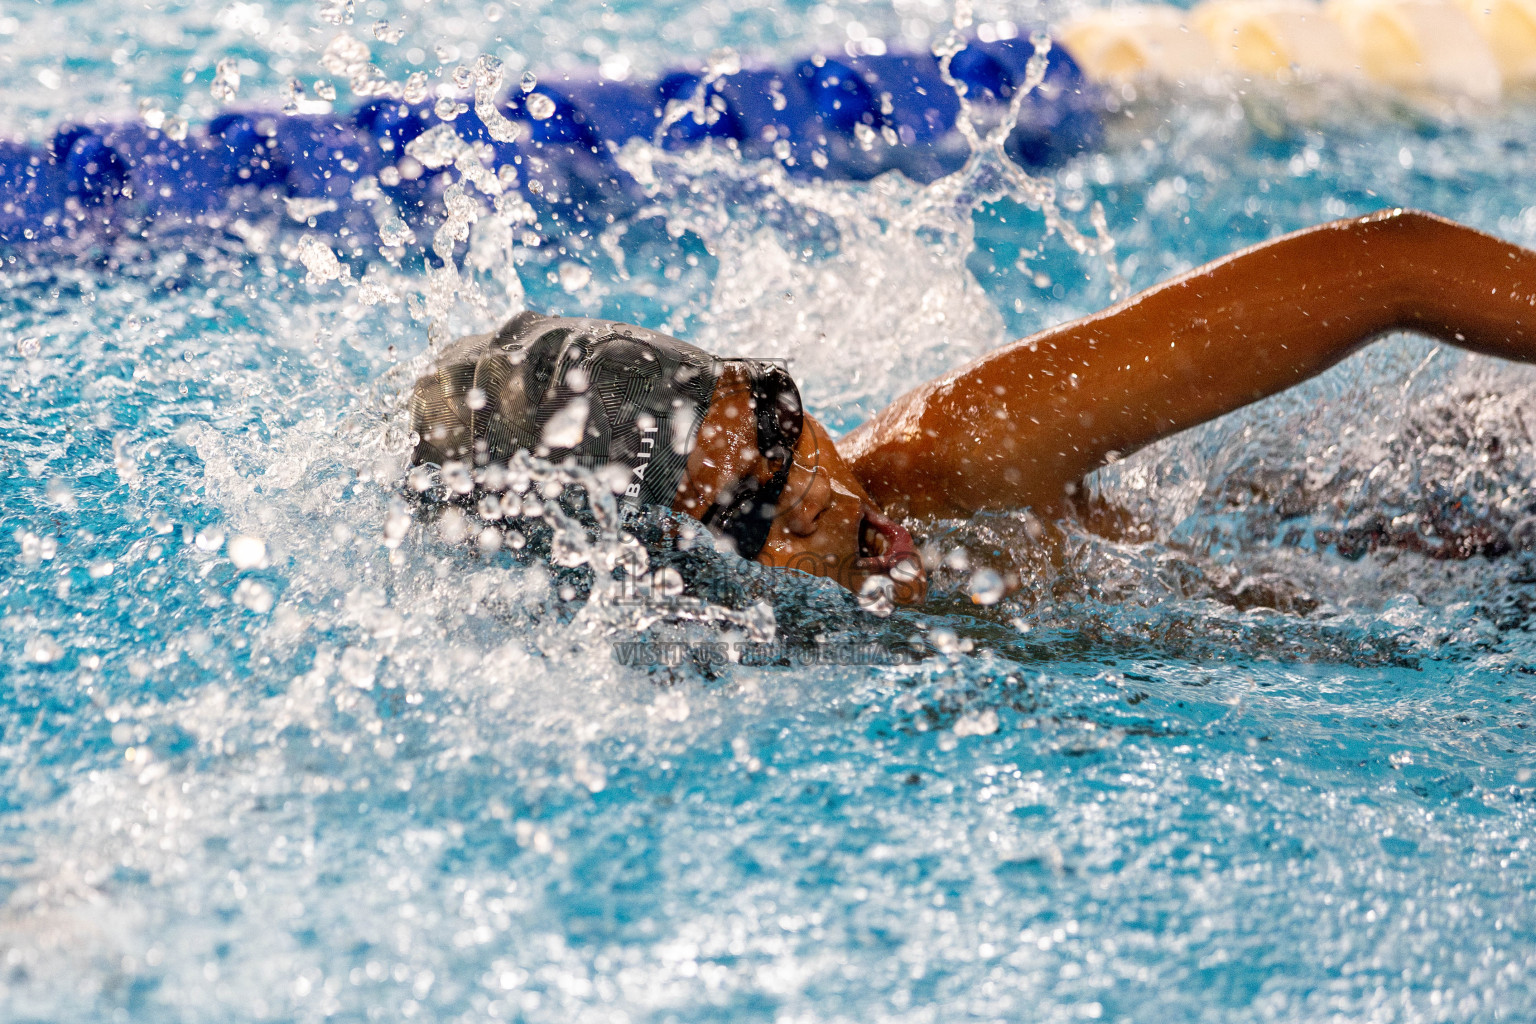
[[1022, 425]]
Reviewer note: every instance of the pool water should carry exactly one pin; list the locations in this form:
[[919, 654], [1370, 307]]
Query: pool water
[[268, 754]]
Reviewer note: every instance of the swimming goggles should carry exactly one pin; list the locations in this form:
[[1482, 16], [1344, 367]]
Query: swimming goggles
[[747, 509]]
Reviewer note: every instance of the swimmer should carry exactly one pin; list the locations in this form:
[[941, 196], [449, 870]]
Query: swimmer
[[726, 441]]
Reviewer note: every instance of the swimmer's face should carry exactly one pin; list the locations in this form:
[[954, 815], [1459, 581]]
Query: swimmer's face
[[825, 524]]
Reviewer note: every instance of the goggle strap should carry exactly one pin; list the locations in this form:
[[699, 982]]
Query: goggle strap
[[743, 518]]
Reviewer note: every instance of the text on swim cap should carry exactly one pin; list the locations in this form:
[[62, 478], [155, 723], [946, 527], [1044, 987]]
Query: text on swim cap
[[642, 460]]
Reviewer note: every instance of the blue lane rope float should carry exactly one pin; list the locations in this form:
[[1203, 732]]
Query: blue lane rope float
[[824, 117]]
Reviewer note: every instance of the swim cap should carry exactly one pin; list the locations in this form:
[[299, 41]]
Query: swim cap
[[598, 392]]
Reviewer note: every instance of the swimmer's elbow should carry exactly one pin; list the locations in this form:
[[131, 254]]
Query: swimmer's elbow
[[1403, 219]]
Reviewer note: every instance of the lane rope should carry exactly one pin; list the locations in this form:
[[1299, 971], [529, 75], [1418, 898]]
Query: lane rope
[[829, 117]]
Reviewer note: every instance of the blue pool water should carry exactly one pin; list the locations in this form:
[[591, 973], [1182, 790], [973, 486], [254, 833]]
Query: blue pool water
[[1275, 766]]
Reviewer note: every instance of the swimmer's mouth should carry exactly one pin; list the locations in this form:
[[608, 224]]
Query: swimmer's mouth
[[884, 545]]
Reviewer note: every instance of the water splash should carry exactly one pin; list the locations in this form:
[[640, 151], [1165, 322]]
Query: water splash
[[721, 63], [390, 770], [839, 276], [989, 175]]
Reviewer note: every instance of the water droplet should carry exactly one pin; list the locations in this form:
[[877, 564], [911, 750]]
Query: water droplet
[[209, 538], [452, 526], [436, 148], [336, 12], [540, 107], [590, 774], [878, 596], [359, 667], [396, 523], [256, 597], [456, 478], [36, 549], [60, 493], [396, 232], [43, 649], [670, 706], [422, 478], [566, 426], [722, 62], [415, 89], [569, 547], [247, 552], [384, 32], [574, 277], [487, 79], [151, 112], [487, 71], [976, 723], [302, 208], [528, 82], [667, 582], [319, 260], [226, 80], [446, 108], [615, 67], [907, 570], [986, 587], [325, 90], [345, 56], [945, 641]]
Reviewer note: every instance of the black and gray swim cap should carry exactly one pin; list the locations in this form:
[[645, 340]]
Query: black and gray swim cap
[[594, 391]]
